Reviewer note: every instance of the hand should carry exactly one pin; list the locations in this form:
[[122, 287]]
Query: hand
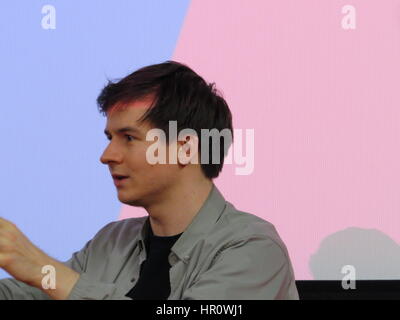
[[24, 261]]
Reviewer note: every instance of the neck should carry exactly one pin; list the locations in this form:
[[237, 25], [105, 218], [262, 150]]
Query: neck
[[174, 213]]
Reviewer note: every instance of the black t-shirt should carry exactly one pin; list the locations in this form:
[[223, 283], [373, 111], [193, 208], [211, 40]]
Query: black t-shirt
[[153, 282]]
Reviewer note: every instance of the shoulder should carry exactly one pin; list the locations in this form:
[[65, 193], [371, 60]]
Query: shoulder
[[244, 244], [235, 226], [120, 231]]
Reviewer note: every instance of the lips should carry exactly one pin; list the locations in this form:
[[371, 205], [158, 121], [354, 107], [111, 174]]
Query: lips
[[118, 176], [119, 182], [119, 179]]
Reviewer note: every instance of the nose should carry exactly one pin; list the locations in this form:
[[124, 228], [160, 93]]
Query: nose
[[111, 154]]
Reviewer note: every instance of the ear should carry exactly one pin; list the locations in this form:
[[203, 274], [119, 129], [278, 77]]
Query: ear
[[188, 150]]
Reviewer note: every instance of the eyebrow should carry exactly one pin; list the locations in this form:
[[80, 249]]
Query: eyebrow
[[124, 129]]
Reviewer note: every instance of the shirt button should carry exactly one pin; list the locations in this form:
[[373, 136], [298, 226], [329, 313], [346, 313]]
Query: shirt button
[[172, 259]]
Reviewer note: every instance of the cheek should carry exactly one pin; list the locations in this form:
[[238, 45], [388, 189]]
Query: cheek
[[139, 155], [153, 174], [136, 158], [162, 174]]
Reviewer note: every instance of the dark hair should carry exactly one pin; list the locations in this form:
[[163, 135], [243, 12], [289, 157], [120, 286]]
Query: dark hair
[[180, 95]]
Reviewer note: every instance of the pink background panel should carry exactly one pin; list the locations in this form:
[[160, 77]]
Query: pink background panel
[[324, 104]]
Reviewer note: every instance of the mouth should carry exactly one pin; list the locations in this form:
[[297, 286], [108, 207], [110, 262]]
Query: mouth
[[119, 180]]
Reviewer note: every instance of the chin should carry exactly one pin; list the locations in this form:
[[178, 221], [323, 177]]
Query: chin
[[134, 203], [130, 200]]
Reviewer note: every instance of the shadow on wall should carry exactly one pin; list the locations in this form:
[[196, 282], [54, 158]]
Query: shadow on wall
[[372, 253]]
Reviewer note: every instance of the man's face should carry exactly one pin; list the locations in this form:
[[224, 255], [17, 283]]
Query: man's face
[[126, 155]]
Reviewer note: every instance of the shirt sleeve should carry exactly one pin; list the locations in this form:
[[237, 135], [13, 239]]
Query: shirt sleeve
[[87, 288], [248, 269], [12, 289]]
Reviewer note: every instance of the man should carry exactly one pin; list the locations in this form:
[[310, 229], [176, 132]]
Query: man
[[193, 244]]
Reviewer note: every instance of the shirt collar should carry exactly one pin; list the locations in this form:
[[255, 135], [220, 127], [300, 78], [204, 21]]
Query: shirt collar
[[198, 228]]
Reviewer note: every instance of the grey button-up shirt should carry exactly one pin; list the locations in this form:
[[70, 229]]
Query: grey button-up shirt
[[223, 254]]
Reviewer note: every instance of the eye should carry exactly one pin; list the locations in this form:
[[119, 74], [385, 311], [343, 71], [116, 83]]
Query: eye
[[130, 138]]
